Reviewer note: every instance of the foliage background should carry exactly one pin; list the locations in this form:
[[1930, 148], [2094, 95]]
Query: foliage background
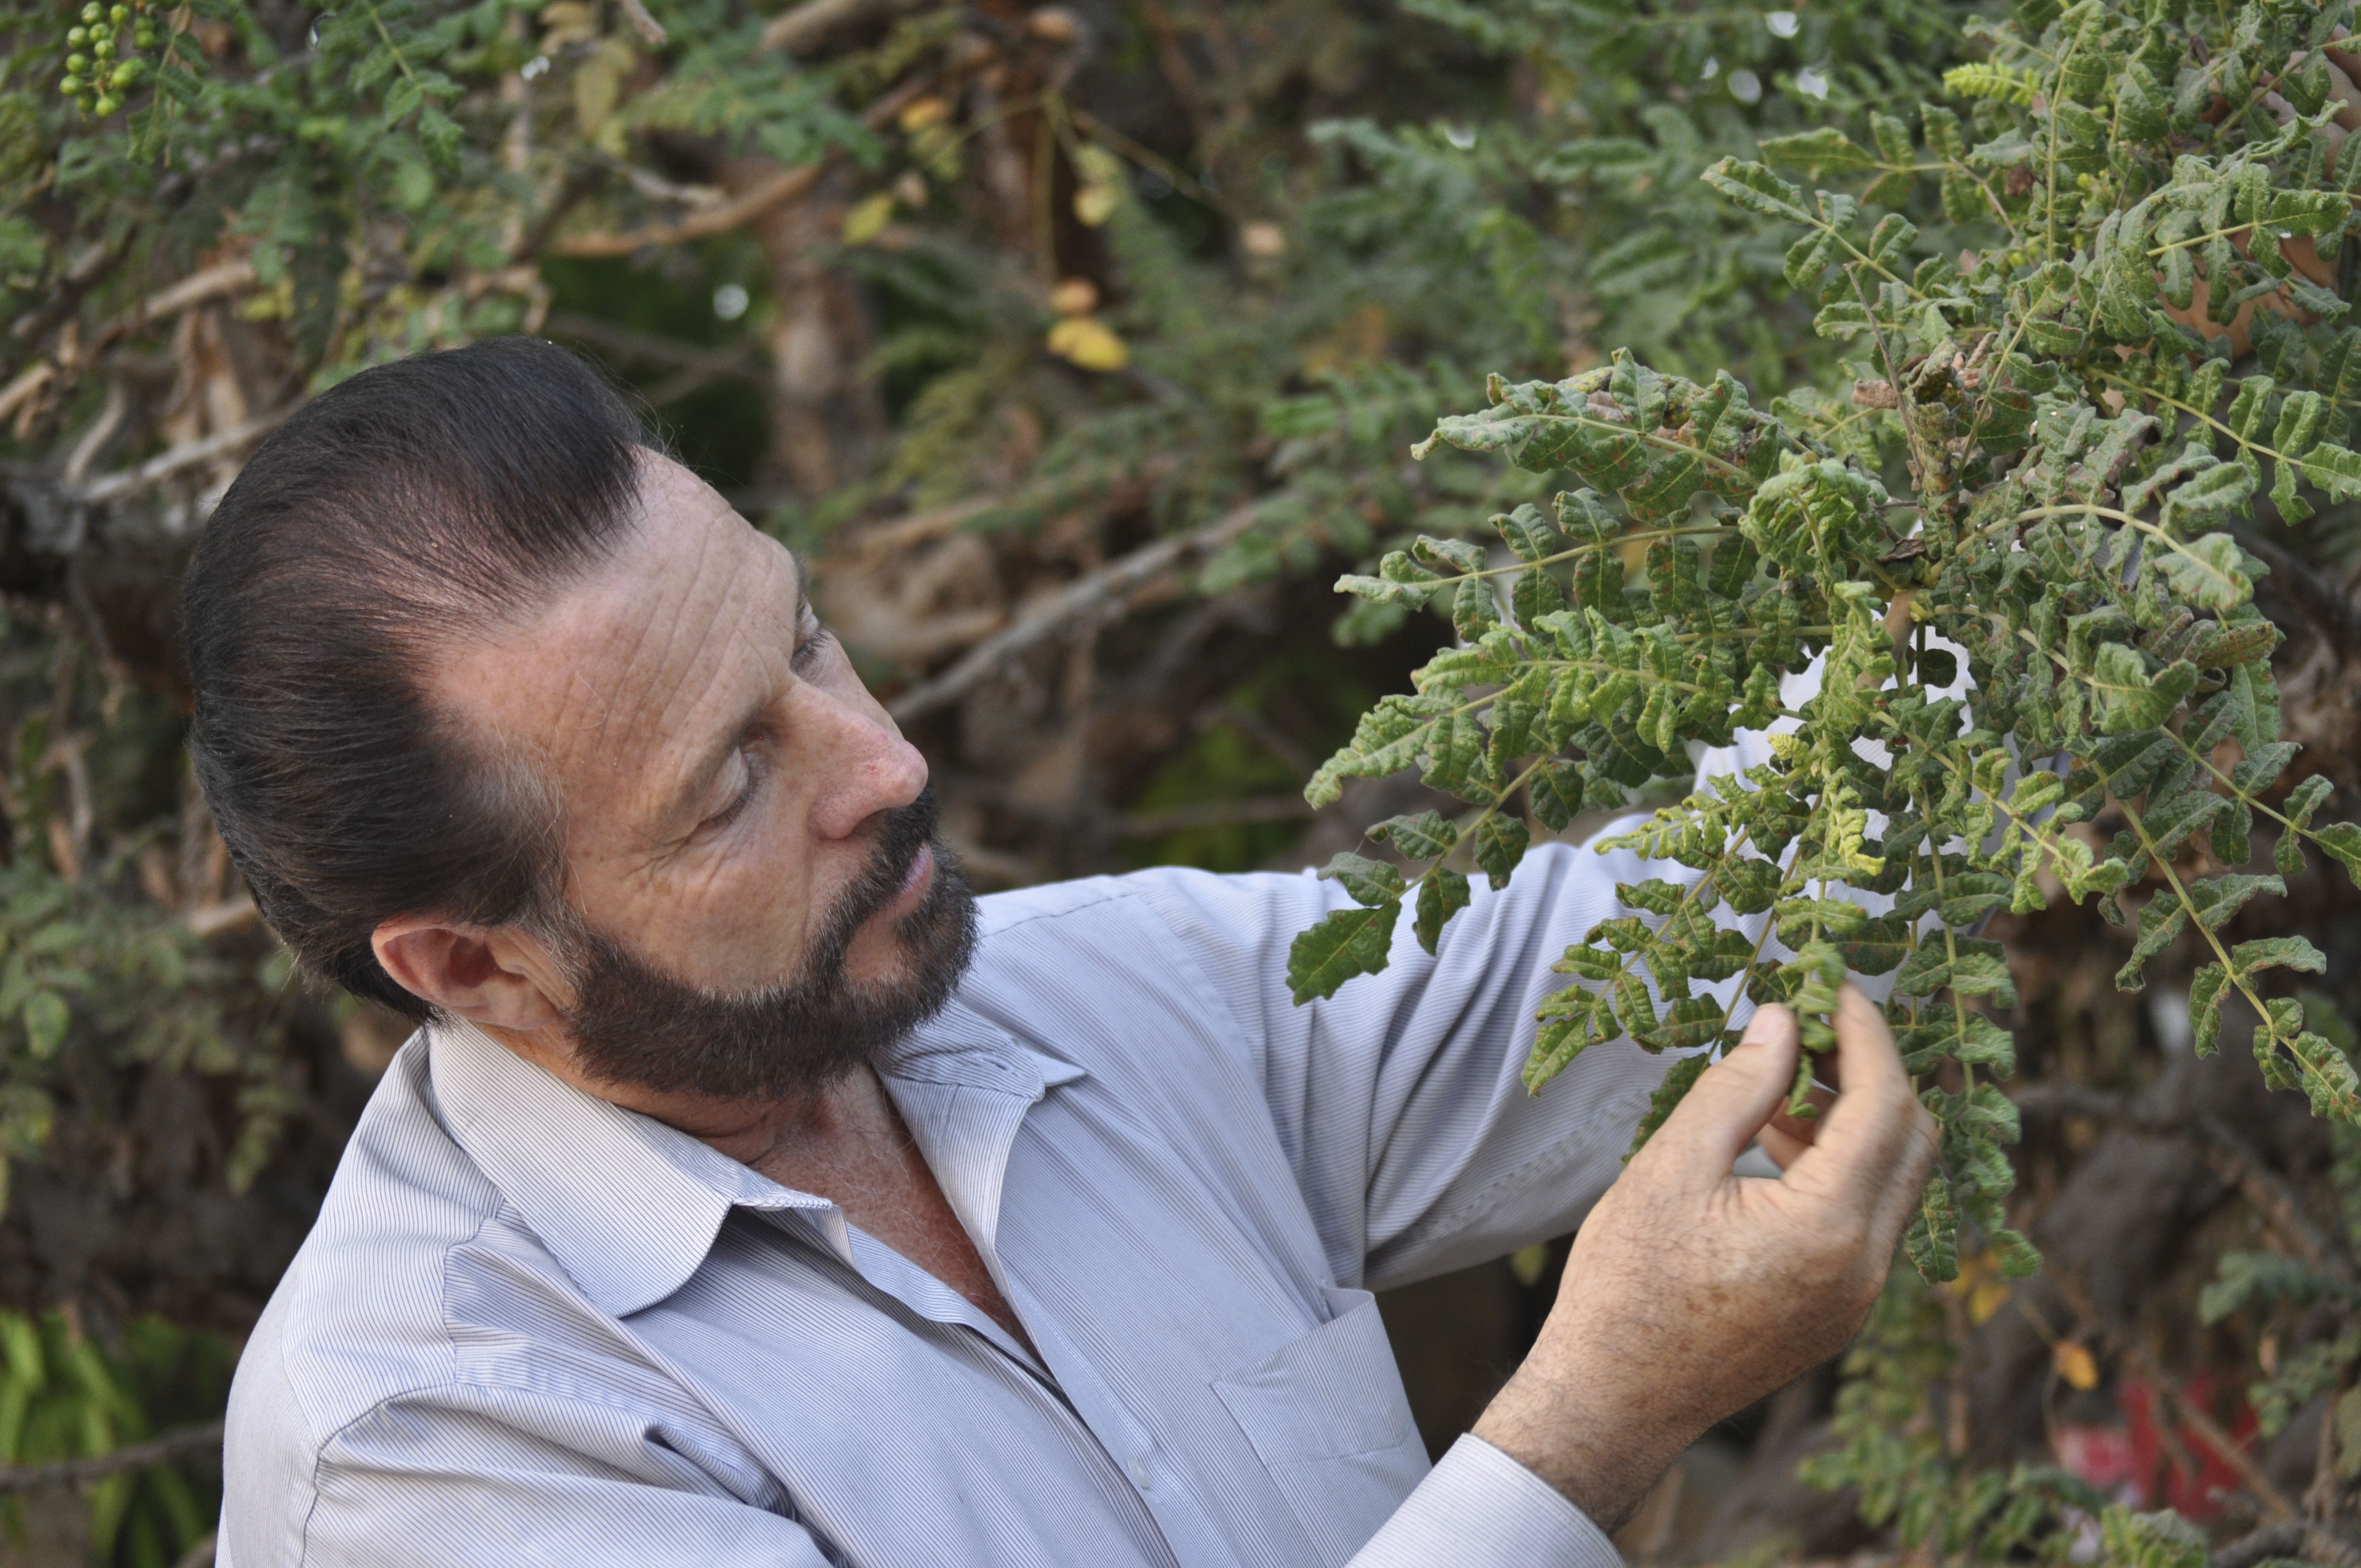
[[1082, 347]]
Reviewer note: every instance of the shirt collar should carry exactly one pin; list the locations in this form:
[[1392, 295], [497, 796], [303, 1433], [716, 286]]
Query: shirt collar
[[629, 1206]]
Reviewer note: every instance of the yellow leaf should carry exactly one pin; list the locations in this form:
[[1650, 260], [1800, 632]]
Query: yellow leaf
[[925, 112], [868, 218], [1089, 343], [1263, 239], [2348, 1434], [1095, 205], [2075, 1364], [567, 22], [1074, 297], [1989, 1297]]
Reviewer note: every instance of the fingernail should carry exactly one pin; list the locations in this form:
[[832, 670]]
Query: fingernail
[[1767, 1019]]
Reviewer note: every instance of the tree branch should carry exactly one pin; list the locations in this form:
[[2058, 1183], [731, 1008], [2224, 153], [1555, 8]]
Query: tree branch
[[2311, 593], [632, 342], [786, 185], [162, 467], [2229, 1157], [138, 1456], [1094, 598], [800, 28]]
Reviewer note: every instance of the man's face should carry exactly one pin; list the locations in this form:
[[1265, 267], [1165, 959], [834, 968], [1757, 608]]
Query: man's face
[[762, 903]]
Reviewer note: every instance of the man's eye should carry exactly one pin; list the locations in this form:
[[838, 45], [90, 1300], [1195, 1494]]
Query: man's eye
[[750, 772], [808, 651]]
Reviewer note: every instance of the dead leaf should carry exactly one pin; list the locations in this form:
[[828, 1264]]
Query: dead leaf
[[1090, 343]]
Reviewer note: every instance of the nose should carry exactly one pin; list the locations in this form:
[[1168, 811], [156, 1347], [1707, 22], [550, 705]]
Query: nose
[[860, 759]]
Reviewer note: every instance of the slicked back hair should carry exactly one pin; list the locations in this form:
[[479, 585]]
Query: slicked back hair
[[409, 510]]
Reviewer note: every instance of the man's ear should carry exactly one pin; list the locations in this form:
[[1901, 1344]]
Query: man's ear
[[498, 978]]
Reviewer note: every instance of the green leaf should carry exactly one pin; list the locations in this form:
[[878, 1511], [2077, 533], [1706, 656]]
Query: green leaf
[[1370, 881], [1500, 843], [1932, 1241], [1349, 942], [1441, 896], [1755, 188], [1424, 837], [46, 1022], [1818, 152], [1668, 1095]]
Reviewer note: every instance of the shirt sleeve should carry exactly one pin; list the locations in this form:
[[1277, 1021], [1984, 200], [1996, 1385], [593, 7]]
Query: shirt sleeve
[[1523, 1519], [1399, 1101], [511, 1476]]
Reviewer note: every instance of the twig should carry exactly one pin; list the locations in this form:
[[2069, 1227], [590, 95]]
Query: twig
[[162, 467], [2194, 1417], [218, 281], [1288, 808], [799, 28], [139, 1457], [1092, 599], [786, 185], [2326, 609], [2229, 1157], [647, 26], [648, 346]]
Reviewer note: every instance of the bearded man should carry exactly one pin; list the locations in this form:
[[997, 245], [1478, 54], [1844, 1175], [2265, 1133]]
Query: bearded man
[[753, 1194]]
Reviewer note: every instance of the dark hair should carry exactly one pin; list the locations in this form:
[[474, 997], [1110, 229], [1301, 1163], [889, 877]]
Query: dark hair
[[396, 514]]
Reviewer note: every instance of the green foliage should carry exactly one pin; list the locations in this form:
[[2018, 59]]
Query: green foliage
[[2070, 458], [63, 1396], [1887, 1440]]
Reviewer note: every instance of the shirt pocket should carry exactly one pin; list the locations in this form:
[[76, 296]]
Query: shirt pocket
[[1328, 1419]]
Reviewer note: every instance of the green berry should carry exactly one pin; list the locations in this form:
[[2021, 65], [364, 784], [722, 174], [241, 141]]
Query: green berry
[[77, 63], [143, 37], [124, 74], [70, 86], [91, 13], [119, 14], [77, 37], [104, 48], [108, 105]]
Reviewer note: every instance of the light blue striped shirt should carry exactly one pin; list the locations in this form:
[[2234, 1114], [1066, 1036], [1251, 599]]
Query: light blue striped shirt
[[532, 1328]]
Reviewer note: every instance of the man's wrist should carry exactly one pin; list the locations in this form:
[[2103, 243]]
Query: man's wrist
[[1603, 1462]]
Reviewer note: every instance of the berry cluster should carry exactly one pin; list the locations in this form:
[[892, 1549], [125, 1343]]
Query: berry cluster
[[101, 67]]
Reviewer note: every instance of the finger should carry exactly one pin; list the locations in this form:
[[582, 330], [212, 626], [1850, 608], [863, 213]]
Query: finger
[[1731, 1101], [1898, 1198], [1803, 1129], [1784, 1147], [1863, 1136], [2347, 96]]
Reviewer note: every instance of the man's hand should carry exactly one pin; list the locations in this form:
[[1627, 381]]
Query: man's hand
[[1692, 1292]]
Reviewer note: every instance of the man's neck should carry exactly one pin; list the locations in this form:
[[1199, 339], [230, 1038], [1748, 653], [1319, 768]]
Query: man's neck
[[846, 1144]]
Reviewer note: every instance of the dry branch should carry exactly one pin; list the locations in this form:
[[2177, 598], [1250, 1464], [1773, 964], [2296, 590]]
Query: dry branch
[[164, 465], [1093, 599], [804, 26], [138, 1456], [630, 341], [2226, 1154], [787, 185]]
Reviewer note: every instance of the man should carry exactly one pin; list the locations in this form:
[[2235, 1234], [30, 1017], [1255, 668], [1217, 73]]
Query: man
[[752, 1194]]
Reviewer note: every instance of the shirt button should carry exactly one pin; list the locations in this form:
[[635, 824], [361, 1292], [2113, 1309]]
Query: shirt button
[[1140, 1475]]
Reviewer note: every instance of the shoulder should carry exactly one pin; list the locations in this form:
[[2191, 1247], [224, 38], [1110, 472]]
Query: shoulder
[[362, 1316], [1208, 905]]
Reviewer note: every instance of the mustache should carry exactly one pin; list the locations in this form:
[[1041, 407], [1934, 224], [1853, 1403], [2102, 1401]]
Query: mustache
[[906, 831]]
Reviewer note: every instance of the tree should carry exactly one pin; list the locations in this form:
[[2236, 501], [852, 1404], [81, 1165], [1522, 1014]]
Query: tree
[[1084, 344]]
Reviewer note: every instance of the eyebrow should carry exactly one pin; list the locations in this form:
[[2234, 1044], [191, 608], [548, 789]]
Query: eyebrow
[[686, 798]]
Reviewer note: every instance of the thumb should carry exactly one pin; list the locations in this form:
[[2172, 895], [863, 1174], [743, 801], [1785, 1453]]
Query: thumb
[[1733, 1099]]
